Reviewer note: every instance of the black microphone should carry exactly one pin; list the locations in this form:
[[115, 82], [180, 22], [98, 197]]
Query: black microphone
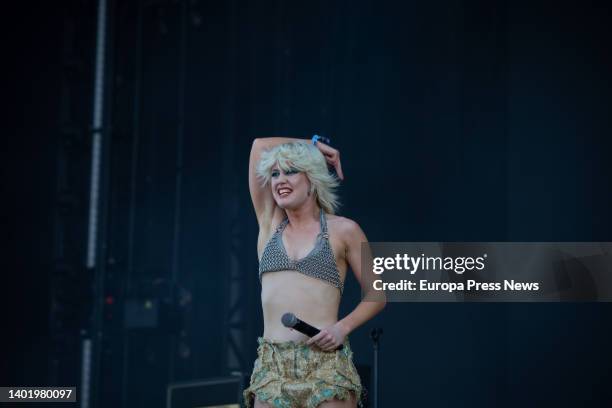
[[291, 321]]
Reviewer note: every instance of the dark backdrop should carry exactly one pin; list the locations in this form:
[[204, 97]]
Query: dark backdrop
[[456, 121]]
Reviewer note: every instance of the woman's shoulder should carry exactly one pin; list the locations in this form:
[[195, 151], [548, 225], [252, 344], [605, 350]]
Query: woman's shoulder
[[342, 226]]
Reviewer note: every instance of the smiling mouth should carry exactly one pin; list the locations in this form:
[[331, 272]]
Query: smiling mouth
[[284, 192]]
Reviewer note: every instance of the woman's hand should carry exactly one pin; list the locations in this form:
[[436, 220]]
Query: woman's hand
[[330, 338], [332, 156]]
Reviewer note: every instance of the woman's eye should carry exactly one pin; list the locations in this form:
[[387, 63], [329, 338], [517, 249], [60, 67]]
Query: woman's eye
[[275, 174], [292, 171]]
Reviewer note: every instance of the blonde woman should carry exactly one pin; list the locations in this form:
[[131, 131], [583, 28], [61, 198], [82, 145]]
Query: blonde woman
[[304, 252]]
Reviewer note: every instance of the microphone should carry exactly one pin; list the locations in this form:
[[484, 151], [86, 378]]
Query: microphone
[[291, 321]]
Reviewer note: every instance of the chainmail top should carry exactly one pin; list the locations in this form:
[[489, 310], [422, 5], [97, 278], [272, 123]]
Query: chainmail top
[[320, 263]]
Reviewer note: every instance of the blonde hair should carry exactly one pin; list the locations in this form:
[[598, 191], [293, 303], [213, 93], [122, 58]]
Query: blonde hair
[[306, 158]]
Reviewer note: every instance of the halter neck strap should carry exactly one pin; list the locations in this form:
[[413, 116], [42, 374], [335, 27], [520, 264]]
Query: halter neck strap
[[322, 222]]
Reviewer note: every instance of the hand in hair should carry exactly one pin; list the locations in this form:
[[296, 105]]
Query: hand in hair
[[332, 156]]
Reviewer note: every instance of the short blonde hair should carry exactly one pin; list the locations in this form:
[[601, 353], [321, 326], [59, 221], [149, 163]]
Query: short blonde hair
[[306, 158]]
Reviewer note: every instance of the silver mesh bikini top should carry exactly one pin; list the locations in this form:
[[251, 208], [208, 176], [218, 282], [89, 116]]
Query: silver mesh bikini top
[[320, 263]]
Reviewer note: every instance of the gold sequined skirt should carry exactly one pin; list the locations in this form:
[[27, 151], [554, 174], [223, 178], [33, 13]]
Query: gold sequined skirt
[[295, 375]]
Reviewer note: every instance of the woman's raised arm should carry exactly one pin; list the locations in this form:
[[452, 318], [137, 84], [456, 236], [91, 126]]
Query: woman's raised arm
[[263, 202]]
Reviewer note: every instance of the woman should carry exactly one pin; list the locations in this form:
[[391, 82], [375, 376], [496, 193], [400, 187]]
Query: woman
[[304, 252]]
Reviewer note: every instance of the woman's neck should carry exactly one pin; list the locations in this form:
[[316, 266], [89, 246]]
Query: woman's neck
[[304, 216]]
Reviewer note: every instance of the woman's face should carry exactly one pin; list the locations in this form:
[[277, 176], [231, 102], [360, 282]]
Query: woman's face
[[289, 188]]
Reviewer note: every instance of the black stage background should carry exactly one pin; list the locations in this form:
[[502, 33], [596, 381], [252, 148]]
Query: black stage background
[[456, 121]]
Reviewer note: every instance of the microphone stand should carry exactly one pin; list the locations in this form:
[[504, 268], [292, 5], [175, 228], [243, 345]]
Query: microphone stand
[[375, 336]]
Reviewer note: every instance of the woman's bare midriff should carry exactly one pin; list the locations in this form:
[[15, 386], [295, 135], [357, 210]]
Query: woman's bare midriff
[[311, 300]]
